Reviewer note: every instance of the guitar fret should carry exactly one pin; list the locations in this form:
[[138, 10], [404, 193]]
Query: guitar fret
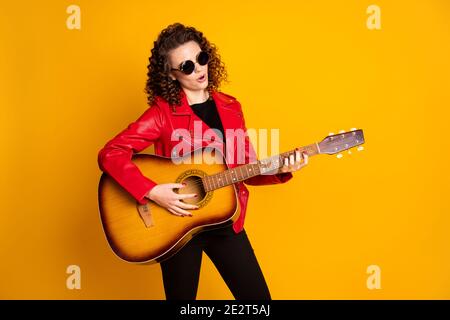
[[231, 176], [222, 183], [208, 183], [225, 178], [222, 179]]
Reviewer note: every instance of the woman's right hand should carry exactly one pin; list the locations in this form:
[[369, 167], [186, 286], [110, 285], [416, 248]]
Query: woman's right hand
[[163, 195]]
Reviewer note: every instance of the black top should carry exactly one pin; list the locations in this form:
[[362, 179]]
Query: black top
[[207, 111]]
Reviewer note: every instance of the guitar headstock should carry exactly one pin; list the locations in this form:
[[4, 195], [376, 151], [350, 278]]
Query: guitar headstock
[[336, 143]]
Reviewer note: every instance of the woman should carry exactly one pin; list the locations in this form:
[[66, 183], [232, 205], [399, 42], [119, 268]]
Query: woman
[[184, 74]]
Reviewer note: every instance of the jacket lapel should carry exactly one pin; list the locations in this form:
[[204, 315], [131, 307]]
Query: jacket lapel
[[184, 117]]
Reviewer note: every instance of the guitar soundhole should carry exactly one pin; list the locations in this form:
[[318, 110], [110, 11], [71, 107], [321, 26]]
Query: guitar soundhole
[[193, 185]]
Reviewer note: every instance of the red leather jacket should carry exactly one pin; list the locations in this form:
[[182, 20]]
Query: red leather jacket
[[155, 126]]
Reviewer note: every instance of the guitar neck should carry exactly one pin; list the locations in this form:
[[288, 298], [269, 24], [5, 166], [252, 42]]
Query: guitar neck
[[246, 171]]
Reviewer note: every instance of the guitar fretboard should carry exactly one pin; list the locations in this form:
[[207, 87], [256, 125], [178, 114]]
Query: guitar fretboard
[[245, 171]]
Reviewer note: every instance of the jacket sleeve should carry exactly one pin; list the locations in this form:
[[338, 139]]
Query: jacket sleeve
[[115, 157], [262, 179]]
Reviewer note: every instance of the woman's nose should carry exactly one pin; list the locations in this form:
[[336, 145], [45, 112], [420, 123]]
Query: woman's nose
[[198, 67]]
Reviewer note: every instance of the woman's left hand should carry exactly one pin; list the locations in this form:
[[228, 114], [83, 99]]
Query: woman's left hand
[[294, 163]]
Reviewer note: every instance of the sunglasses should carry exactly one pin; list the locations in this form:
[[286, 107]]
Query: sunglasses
[[187, 67]]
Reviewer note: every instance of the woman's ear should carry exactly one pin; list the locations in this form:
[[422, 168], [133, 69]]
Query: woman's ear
[[172, 76]]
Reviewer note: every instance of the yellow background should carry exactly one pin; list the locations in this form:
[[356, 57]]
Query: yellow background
[[305, 67]]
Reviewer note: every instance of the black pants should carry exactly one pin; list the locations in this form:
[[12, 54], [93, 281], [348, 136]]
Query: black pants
[[233, 256]]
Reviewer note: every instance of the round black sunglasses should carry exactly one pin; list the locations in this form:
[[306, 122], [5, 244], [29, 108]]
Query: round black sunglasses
[[188, 66]]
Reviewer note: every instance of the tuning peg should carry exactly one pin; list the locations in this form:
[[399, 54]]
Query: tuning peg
[[360, 148], [341, 131], [349, 151], [331, 134], [353, 129], [339, 155]]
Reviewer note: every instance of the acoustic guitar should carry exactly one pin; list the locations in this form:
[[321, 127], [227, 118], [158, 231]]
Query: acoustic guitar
[[149, 233]]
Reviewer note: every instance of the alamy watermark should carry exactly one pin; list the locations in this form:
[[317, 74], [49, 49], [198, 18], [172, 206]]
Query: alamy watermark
[[239, 146]]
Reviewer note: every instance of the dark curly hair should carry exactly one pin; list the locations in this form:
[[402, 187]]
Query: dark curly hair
[[159, 83]]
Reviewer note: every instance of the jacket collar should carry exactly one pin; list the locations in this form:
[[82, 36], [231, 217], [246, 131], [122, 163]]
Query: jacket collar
[[220, 99], [224, 103]]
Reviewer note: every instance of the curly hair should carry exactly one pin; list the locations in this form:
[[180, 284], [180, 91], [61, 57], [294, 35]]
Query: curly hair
[[159, 83]]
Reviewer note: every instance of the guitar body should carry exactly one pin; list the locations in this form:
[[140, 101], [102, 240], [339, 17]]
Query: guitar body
[[135, 241]]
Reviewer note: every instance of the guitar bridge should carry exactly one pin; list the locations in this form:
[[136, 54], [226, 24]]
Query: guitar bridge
[[146, 215]]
